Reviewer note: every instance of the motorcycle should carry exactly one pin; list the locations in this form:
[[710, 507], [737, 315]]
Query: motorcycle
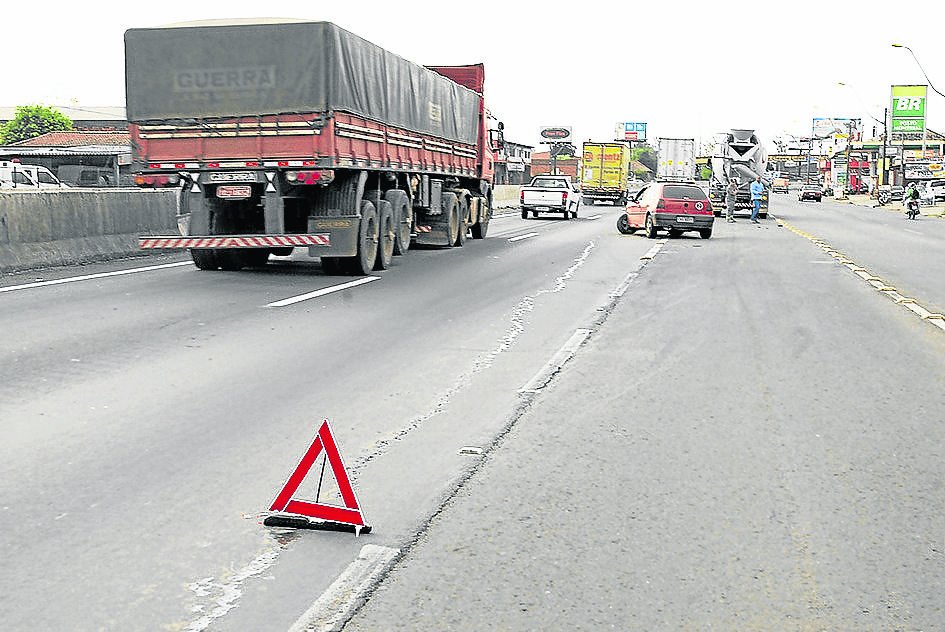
[[912, 209]]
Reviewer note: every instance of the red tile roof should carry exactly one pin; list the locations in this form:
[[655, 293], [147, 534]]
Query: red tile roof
[[77, 139]]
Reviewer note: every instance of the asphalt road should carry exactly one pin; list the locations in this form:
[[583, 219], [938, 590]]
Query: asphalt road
[[150, 418], [751, 441], [748, 438]]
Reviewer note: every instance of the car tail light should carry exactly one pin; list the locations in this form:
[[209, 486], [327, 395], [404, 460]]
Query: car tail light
[[661, 203], [522, 197], [149, 180], [139, 180], [564, 198]]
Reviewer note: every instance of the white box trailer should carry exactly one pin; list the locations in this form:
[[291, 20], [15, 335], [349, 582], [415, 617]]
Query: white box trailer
[[677, 159]]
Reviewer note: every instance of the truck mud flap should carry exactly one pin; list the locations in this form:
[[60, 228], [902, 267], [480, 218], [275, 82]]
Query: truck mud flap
[[342, 232]]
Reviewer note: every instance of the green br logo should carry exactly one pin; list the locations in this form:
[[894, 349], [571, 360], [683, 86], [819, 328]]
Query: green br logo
[[909, 104]]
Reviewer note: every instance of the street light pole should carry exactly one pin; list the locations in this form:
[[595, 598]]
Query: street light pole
[[920, 67]]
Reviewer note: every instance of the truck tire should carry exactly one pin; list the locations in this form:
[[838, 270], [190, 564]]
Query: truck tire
[[566, 213], [254, 257], [230, 259], [449, 204], [332, 266], [403, 219], [650, 227], [481, 227], [204, 259], [386, 235], [363, 262], [462, 227], [524, 213]]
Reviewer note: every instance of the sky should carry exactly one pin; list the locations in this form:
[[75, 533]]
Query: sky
[[688, 69]]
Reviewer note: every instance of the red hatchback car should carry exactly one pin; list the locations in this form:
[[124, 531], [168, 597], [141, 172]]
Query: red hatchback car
[[673, 206]]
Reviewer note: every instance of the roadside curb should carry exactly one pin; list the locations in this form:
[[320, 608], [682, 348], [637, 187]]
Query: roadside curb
[[877, 283]]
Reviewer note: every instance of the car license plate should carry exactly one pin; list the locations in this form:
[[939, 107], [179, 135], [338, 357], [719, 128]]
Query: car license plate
[[682, 219], [234, 192], [542, 208]]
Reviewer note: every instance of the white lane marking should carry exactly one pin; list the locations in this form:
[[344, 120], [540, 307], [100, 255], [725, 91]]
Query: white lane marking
[[98, 275], [336, 605], [521, 237], [557, 361], [593, 216], [914, 232], [292, 300]]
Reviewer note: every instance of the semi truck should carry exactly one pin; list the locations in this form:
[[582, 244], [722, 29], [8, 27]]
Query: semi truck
[[284, 134], [738, 154], [605, 172], [676, 159]]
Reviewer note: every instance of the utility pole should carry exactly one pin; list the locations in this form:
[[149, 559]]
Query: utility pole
[[882, 161], [849, 142]]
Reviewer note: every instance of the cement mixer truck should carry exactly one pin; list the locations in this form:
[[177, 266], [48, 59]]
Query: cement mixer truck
[[738, 154]]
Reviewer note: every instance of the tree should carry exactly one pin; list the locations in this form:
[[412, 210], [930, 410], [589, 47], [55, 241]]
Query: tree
[[31, 121], [645, 155]]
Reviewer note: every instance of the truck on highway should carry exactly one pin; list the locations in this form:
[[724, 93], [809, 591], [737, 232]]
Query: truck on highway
[[550, 194], [605, 172], [284, 134], [676, 159], [741, 156]]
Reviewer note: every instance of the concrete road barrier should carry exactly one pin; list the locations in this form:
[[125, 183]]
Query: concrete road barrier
[[505, 195], [63, 227]]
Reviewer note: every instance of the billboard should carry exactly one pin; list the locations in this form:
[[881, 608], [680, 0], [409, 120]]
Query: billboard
[[908, 105], [835, 128], [555, 134], [923, 169], [631, 131]]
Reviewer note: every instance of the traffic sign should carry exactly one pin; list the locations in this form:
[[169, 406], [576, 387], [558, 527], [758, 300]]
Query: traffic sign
[[286, 501]]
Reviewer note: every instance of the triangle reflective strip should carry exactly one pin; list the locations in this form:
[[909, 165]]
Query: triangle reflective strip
[[350, 513], [270, 176], [270, 188], [196, 188]]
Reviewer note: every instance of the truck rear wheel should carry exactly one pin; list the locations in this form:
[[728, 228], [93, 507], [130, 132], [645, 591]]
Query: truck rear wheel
[[363, 262], [386, 235], [403, 219], [204, 259], [462, 213], [450, 206], [481, 227], [524, 214]]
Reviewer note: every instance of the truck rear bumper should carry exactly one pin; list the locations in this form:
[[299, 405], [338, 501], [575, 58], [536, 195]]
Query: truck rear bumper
[[217, 242], [672, 221]]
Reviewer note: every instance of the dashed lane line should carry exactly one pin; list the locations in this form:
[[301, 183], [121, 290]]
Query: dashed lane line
[[521, 237], [292, 300], [98, 275], [877, 283]]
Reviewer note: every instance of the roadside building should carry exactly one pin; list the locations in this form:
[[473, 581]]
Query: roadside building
[[513, 164], [78, 158]]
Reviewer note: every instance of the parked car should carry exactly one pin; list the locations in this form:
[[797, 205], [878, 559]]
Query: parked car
[[810, 192], [937, 189], [676, 207], [86, 176], [896, 191], [15, 175], [550, 194]]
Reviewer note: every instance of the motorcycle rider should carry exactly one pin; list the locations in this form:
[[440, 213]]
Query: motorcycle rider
[[911, 200]]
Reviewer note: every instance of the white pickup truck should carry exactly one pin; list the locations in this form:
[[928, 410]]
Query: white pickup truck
[[550, 194]]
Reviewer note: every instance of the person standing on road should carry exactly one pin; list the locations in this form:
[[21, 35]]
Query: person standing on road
[[731, 196], [756, 190]]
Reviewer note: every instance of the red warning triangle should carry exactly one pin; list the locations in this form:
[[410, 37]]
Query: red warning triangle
[[349, 514]]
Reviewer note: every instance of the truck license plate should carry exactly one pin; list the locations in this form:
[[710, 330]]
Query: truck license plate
[[234, 192], [542, 208], [682, 219]]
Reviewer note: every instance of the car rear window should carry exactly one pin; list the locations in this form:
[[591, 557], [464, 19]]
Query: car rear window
[[548, 183], [682, 192]]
